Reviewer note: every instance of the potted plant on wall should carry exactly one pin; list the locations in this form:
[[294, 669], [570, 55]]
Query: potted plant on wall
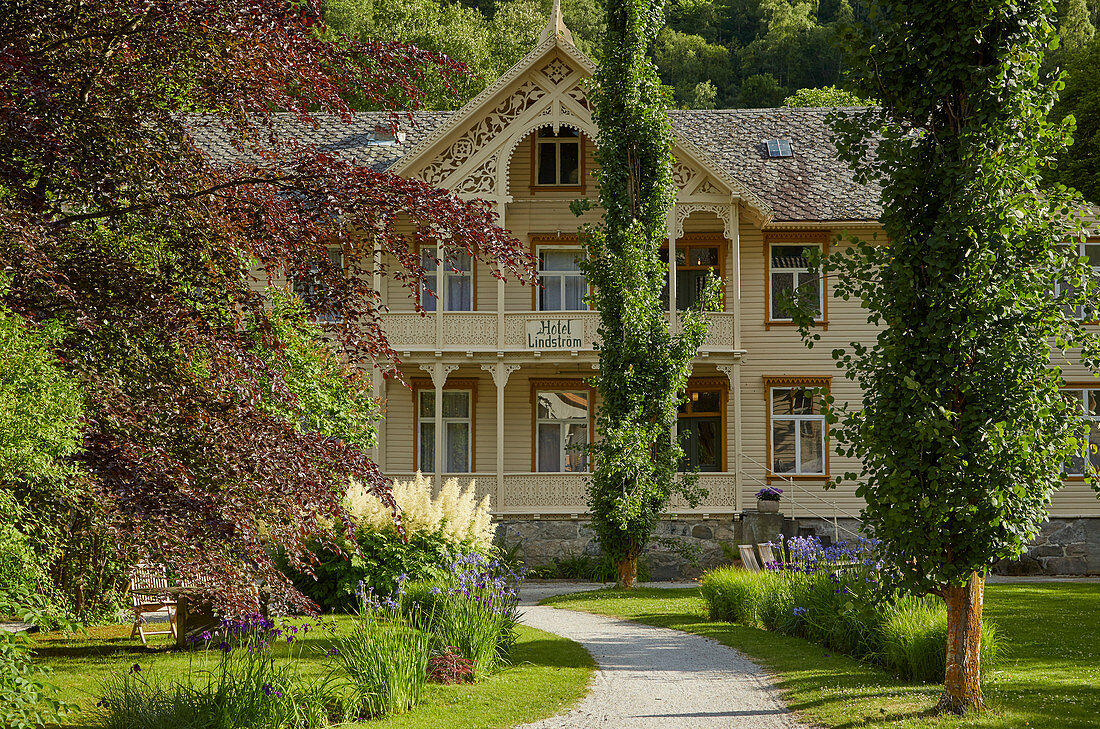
[[767, 499]]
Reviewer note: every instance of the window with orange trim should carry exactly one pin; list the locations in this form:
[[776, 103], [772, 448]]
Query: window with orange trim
[[557, 158], [796, 426], [695, 263], [1086, 400], [699, 426], [561, 429]]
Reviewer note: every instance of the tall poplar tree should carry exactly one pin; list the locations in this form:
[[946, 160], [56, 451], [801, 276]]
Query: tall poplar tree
[[643, 366], [963, 431]]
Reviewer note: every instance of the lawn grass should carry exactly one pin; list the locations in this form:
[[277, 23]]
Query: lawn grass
[[547, 674], [1047, 678]]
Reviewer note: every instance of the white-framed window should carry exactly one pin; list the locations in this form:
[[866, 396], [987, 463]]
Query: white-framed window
[[456, 431], [789, 270], [557, 157], [797, 430], [561, 430], [458, 280], [561, 283], [311, 290], [1090, 249], [1087, 400]]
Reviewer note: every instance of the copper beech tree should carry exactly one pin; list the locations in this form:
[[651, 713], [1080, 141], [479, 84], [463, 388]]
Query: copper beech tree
[[963, 430], [203, 447]]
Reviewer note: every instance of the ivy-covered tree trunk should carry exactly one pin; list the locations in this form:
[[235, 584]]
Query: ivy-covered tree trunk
[[963, 429], [643, 368]]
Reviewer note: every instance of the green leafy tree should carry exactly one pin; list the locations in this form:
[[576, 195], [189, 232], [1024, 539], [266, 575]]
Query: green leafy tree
[[489, 46], [643, 367], [685, 61], [762, 91], [963, 431], [1079, 166], [825, 96]]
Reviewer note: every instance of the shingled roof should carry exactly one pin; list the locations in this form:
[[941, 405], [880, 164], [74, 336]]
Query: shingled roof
[[811, 185]]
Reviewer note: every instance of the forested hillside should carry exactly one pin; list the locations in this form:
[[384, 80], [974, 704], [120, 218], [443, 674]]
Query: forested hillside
[[714, 53]]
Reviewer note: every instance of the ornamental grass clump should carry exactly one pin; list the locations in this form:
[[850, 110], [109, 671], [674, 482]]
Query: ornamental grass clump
[[385, 657], [474, 610], [830, 595], [233, 682]]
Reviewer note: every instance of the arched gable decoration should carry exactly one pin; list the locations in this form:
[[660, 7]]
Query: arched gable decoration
[[470, 152]]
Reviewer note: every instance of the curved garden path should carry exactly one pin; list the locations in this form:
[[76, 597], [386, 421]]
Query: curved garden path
[[656, 678]]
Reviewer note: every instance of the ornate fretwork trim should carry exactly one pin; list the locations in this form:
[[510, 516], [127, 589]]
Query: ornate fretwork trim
[[557, 71], [463, 115], [482, 133], [728, 370], [722, 210]]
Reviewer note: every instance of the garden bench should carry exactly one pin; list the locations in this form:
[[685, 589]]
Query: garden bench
[[146, 582], [767, 556], [748, 557]]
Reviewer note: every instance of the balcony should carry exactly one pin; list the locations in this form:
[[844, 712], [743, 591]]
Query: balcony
[[534, 331]]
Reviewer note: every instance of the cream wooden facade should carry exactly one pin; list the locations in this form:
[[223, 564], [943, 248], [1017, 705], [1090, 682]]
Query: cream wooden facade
[[485, 151]]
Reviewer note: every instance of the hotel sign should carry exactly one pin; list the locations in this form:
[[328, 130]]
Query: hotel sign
[[555, 334]]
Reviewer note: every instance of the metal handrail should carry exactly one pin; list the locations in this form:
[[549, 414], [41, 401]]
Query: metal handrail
[[794, 502]]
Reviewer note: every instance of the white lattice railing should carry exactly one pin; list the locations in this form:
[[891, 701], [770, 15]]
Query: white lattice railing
[[477, 330], [566, 493]]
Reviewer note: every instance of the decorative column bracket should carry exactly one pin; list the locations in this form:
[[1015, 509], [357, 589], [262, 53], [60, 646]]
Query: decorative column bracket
[[439, 372], [500, 372]]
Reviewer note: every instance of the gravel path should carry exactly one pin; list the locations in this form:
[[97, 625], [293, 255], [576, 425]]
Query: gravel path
[[656, 678]]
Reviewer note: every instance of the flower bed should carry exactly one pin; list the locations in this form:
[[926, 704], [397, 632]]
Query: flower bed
[[459, 627], [832, 595]]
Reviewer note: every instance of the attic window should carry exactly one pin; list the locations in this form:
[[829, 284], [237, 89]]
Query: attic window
[[383, 135], [779, 148]]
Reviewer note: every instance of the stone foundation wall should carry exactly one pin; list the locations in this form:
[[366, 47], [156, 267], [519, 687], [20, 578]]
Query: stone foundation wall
[[1064, 546]]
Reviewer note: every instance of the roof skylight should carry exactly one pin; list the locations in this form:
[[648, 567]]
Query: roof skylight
[[779, 148]]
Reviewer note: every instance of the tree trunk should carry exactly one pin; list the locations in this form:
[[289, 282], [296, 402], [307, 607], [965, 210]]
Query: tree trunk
[[962, 688], [628, 572]]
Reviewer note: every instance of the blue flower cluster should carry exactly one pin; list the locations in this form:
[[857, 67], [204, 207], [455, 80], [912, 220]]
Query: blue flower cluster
[[488, 582], [809, 556], [255, 633]]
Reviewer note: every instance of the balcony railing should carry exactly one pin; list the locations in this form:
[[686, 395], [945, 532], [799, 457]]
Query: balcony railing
[[567, 493], [535, 331]]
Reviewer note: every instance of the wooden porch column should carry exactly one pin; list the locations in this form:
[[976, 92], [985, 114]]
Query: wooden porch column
[[500, 372], [734, 236], [672, 227], [440, 303]]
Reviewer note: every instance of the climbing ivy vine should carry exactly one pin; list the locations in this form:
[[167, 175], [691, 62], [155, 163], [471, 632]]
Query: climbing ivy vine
[[963, 431], [644, 367]]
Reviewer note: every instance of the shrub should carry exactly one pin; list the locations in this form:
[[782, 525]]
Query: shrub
[[27, 699], [452, 522], [383, 557], [448, 666], [828, 595], [735, 595], [914, 635], [584, 567], [455, 513]]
